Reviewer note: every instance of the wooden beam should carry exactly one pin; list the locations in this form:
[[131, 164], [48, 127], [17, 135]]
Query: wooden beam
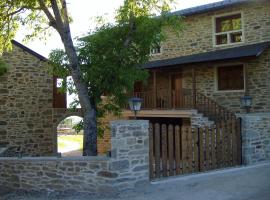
[[194, 89], [170, 91], [155, 88]]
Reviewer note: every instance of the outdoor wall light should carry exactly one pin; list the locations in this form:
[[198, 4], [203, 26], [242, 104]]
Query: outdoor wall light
[[135, 105], [246, 102]]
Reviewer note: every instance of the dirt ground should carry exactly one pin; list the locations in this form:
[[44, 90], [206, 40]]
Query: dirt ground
[[245, 183]]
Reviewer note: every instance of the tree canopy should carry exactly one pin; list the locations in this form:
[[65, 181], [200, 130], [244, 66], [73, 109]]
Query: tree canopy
[[110, 65]]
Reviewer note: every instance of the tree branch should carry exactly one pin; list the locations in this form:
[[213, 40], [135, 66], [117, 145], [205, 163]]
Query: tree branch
[[52, 21], [64, 11], [57, 14], [16, 11], [132, 29]]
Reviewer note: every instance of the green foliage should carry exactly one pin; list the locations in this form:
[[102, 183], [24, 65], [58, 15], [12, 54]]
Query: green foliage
[[3, 67], [101, 128], [16, 13], [111, 57], [78, 127]]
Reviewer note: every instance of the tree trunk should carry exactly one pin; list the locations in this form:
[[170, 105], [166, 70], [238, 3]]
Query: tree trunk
[[90, 133], [90, 126], [60, 21]]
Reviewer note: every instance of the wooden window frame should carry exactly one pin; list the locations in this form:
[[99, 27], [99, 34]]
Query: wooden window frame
[[229, 65], [228, 33]]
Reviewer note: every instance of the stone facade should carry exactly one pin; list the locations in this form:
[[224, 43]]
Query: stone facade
[[26, 97], [28, 121], [197, 35], [255, 137], [126, 169]]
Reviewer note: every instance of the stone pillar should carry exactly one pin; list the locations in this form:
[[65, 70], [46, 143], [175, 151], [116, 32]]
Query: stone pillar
[[130, 153], [255, 137]]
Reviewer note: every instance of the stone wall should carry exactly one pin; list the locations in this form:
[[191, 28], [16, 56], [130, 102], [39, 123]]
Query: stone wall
[[198, 120], [197, 35], [255, 137], [26, 96], [28, 121], [126, 169], [257, 78]]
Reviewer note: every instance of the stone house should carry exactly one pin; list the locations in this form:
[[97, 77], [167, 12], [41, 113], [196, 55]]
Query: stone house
[[221, 55], [30, 106]]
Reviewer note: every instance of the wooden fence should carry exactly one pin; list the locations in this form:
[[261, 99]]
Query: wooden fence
[[176, 150]]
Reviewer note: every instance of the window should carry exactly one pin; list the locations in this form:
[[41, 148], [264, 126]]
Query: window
[[230, 78], [155, 50], [59, 82], [228, 30]]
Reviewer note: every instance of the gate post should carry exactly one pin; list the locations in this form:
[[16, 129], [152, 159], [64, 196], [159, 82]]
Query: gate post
[[130, 152]]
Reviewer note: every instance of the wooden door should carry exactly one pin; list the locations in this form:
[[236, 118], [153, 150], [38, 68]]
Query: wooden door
[[176, 86]]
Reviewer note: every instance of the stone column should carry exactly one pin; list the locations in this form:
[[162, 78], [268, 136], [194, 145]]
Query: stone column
[[130, 153]]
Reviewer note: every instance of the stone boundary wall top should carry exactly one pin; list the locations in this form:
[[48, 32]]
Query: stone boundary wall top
[[127, 168]]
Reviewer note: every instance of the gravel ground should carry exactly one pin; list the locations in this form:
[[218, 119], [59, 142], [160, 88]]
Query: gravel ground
[[245, 183]]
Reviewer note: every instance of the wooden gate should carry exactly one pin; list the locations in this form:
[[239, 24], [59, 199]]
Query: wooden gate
[[176, 150]]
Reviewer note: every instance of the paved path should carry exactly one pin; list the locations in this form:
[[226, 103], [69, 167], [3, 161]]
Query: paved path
[[246, 183]]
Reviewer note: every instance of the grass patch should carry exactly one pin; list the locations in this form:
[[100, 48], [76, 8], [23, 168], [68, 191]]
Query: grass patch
[[65, 141]]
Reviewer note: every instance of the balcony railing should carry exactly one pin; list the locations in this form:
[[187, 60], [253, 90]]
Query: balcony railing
[[164, 99], [184, 99]]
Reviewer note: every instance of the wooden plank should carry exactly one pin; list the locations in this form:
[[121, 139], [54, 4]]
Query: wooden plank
[[155, 88], [207, 151], [213, 148], [229, 145], [151, 151], [171, 147], [184, 148], [177, 150], [164, 150], [234, 142], [196, 133], [219, 146], [201, 147], [224, 143], [239, 141], [194, 90], [157, 150], [189, 149]]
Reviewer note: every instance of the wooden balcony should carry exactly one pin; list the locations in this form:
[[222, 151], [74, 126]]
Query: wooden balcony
[[184, 99], [165, 99]]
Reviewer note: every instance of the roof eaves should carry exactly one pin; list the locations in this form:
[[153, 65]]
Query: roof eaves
[[252, 50], [207, 7], [37, 55]]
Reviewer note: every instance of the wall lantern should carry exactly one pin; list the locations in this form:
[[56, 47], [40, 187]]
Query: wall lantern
[[246, 102], [135, 105]]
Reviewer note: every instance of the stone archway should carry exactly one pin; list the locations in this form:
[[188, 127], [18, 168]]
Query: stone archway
[[60, 114]]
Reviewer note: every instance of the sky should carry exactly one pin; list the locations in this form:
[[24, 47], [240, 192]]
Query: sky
[[83, 13]]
